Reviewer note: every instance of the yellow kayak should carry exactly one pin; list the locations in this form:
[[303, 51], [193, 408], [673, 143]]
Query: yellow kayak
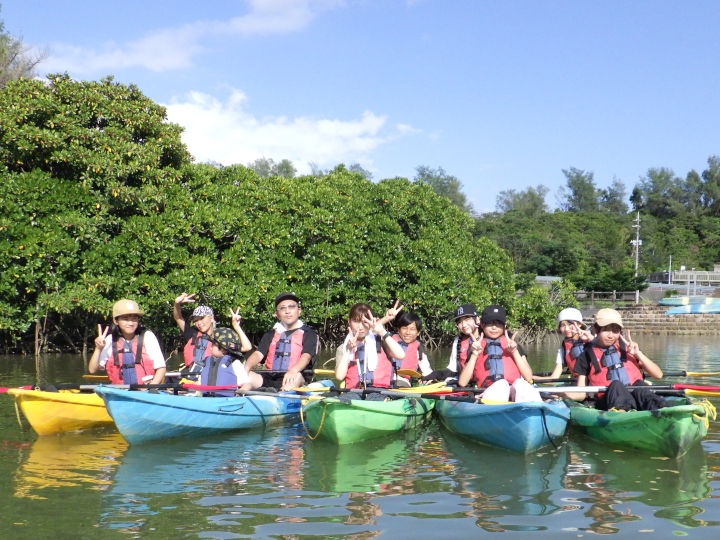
[[66, 410]]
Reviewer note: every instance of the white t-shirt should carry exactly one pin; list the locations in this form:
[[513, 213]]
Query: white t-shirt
[[560, 356], [150, 343], [239, 369]]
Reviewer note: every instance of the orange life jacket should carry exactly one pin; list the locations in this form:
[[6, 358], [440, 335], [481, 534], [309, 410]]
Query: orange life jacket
[[413, 354], [483, 370], [191, 345], [599, 375], [143, 365], [380, 377], [285, 349]]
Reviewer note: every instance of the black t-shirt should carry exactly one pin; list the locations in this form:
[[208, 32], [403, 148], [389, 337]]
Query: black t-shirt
[[309, 342]]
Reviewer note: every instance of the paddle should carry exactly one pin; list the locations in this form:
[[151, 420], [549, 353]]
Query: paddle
[[673, 389], [105, 378], [408, 373], [392, 393], [689, 374]]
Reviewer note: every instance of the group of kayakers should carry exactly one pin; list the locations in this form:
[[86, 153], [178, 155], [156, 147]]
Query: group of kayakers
[[484, 353]]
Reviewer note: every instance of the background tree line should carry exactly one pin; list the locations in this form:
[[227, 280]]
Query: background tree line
[[100, 200], [587, 239]]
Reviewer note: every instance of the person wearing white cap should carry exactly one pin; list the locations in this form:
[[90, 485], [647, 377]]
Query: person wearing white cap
[[616, 362], [570, 324]]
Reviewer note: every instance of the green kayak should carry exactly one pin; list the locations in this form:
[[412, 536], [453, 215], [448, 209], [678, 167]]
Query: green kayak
[[669, 432], [345, 422]]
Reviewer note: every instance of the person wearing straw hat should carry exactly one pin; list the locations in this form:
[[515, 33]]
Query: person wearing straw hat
[[616, 362], [131, 353], [570, 325]]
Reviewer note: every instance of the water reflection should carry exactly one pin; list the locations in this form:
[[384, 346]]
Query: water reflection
[[68, 460], [614, 477], [362, 466], [276, 483], [503, 484]]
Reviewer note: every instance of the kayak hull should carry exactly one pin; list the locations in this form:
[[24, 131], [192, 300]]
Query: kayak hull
[[520, 427], [143, 417], [668, 432], [346, 422], [689, 300], [56, 412]]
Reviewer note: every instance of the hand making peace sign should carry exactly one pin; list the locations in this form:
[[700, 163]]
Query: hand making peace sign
[[102, 334]]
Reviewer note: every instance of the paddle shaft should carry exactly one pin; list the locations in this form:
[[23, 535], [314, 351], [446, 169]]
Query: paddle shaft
[[366, 391], [592, 389]]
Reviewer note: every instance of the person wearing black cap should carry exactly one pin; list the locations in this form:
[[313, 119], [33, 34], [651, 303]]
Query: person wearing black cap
[[468, 325], [289, 347], [497, 361]]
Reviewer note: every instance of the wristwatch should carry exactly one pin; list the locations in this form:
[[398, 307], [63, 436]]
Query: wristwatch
[[387, 335]]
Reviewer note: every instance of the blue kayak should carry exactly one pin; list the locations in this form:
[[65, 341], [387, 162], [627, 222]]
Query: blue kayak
[[689, 301], [520, 427], [695, 309], [142, 417]]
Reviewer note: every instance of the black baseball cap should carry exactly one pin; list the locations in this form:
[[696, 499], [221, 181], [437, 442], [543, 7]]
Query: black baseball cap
[[466, 310], [286, 296], [494, 313]]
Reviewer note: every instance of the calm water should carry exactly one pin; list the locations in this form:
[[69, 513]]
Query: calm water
[[276, 483]]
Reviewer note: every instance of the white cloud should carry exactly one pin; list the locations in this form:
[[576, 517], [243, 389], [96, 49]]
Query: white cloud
[[226, 132], [175, 48]]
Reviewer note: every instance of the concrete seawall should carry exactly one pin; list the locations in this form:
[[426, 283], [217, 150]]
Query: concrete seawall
[[651, 319]]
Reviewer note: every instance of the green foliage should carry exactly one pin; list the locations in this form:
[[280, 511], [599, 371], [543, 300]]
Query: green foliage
[[530, 201], [581, 194], [78, 162], [445, 185], [100, 201], [537, 309]]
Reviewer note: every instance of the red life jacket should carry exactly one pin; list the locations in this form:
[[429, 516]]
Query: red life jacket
[[413, 354], [282, 355], [599, 372], [463, 351], [144, 365], [381, 376], [482, 371], [569, 360], [189, 350]]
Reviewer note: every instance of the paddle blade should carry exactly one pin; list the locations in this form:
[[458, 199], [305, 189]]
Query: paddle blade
[[408, 373], [705, 393], [324, 372], [97, 378], [695, 374]]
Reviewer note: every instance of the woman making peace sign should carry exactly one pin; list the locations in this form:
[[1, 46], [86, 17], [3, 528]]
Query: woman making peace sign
[[498, 362], [130, 354]]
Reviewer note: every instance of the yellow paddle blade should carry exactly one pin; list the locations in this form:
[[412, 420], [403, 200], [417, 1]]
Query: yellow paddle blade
[[324, 372], [308, 389], [98, 378], [438, 388], [694, 374], [702, 393], [408, 373], [493, 402]]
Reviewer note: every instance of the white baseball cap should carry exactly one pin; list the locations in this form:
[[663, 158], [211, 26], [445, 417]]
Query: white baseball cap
[[571, 314]]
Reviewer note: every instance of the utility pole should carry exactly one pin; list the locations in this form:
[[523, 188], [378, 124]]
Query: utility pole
[[637, 243]]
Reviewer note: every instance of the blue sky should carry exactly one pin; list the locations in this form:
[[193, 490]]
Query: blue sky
[[502, 94]]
